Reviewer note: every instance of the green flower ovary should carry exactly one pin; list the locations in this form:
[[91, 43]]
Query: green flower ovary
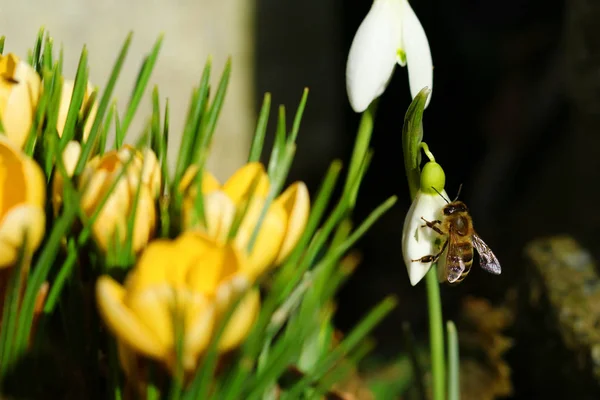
[[432, 176]]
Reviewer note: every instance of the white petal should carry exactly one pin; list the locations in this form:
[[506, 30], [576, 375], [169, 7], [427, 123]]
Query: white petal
[[418, 54], [372, 56], [419, 241]]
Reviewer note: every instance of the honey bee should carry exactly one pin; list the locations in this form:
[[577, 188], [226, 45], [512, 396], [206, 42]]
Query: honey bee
[[457, 228]]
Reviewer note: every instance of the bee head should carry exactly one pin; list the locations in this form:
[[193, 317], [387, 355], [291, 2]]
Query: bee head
[[455, 207]]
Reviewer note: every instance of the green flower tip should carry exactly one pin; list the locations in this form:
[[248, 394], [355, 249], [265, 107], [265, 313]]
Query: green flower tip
[[432, 176]]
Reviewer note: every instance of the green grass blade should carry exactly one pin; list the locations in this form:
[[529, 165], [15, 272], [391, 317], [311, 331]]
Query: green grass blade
[[298, 117], [2, 40], [61, 278], [453, 362], [351, 341], [142, 82], [279, 144], [79, 90], [40, 272], [10, 312], [37, 50], [103, 105], [206, 134], [261, 130], [196, 110]]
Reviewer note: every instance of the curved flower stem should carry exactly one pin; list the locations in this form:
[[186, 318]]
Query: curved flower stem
[[361, 148], [412, 144], [436, 334]]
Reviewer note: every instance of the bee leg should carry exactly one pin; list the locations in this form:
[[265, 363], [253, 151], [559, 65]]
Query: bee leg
[[433, 225], [433, 258]]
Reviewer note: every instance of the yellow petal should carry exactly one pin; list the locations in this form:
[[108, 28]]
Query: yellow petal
[[8, 255], [123, 322], [19, 94], [296, 203], [269, 239], [209, 182], [93, 185], [200, 320], [145, 220], [241, 321], [66, 94], [111, 222], [219, 212], [151, 174], [13, 182], [71, 156], [36, 183], [155, 308], [215, 265], [18, 221], [156, 265], [239, 184]]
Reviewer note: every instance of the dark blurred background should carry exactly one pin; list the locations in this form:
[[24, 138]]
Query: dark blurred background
[[513, 117]]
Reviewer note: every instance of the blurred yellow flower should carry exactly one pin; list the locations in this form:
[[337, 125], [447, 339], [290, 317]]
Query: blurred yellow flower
[[96, 180], [22, 200], [65, 100], [182, 285], [281, 229], [19, 95]]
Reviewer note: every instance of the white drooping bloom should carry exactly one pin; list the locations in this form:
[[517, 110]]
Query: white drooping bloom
[[418, 239], [390, 33]]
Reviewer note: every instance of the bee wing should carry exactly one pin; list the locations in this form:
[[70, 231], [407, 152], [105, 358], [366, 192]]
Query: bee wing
[[488, 260], [454, 272], [455, 265]]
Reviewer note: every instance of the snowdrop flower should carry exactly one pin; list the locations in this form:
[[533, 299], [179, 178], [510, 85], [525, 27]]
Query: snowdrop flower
[[390, 33], [419, 240]]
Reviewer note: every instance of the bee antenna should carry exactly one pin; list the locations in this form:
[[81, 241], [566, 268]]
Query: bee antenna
[[441, 195], [458, 193]]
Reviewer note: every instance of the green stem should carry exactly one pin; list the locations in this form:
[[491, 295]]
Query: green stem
[[436, 334], [453, 363], [361, 148]]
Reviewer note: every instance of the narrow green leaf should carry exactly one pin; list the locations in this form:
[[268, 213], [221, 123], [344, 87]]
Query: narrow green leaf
[[10, 312], [279, 144], [47, 59], [40, 272], [103, 105], [353, 339], [37, 50], [163, 156], [417, 370], [2, 40], [142, 82], [119, 133], [412, 135], [298, 117], [359, 153], [205, 138], [196, 110], [155, 129], [453, 362], [103, 137], [261, 130], [64, 273], [77, 97]]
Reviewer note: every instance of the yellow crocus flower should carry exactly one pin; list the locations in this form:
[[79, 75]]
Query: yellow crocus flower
[[192, 280], [19, 95], [22, 199], [281, 228], [98, 177], [65, 101]]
